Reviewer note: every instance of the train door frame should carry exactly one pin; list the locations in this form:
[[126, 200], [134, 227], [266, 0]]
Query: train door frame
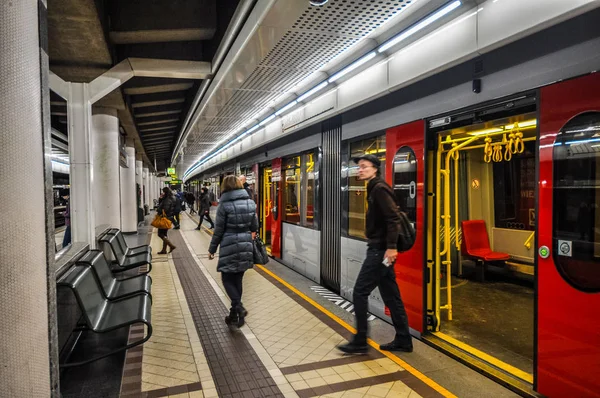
[[464, 353], [264, 193], [565, 354]]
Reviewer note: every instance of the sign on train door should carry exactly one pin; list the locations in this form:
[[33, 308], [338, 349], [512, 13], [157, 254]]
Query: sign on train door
[[405, 172], [568, 275]]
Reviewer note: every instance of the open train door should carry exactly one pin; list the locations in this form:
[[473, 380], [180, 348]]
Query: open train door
[[405, 172], [568, 275]]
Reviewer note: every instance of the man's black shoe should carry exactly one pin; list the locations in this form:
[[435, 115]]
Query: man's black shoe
[[396, 346], [352, 348]]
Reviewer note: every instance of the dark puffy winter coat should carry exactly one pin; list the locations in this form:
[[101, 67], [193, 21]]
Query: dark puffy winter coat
[[168, 205], [236, 219], [204, 202]]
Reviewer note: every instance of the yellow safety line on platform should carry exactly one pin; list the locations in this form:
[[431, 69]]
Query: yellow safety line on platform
[[528, 377], [373, 344]]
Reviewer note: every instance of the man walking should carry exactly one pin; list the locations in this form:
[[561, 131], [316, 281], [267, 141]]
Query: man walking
[[246, 186], [382, 228]]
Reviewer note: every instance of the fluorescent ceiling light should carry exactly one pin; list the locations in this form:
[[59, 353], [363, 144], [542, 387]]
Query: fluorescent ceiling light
[[267, 120], [253, 128], [352, 66], [285, 108], [486, 131], [583, 141], [527, 123], [424, 23], [311, 92]]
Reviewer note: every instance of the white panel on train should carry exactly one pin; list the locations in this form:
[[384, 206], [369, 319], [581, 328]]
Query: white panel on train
[[447, 46], [505, 21], [364, 85], [301, 250]]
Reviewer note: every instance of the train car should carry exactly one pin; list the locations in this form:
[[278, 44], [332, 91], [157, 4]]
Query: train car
[[502, 190]]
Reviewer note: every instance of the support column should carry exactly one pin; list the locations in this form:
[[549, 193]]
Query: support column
[[128, 205], [107, 199], [25, 265], [146, 186], [82, 165]]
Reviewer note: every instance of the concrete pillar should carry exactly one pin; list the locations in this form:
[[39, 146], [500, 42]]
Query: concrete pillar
[[25, 264], [128, 205], [106, 187], [146, 180]]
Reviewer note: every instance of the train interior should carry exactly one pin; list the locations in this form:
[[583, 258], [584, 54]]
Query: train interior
[[484, 182]]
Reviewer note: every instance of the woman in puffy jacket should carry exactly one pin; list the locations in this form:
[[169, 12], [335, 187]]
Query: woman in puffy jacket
[[236, 227], [167, 204]]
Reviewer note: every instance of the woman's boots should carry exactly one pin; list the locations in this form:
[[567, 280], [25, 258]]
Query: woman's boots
[[236, 317], [166, 243]]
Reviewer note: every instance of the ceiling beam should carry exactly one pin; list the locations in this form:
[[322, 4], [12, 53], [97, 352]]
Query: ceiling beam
[[156, 113], [158, 122], [155, 103], [151, 67], [161, 88], [161, 36], [174, 126]]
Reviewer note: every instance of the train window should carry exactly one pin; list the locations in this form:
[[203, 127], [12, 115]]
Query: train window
[[405, 182], [300, 189], [291, 202], [309, 189], [357, 190], [576, 197], [514, 191]]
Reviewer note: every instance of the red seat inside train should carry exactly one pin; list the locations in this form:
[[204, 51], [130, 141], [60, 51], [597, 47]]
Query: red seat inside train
[[475, 242]]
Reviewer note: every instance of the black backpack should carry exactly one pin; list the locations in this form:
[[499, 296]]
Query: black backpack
[[406, 232]]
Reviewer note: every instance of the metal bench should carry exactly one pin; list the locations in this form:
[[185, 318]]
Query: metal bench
[[113, 288], [129, 251], [101, 315], [122, 261]]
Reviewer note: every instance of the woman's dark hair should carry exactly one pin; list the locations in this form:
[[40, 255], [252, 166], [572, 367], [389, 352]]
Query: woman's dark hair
[[204, 189], [231, 183], [166, 191]]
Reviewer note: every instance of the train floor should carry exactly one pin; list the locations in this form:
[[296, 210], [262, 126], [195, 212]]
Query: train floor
[[495, 317], [286, 349]]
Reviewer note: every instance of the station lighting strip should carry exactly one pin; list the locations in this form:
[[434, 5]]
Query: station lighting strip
[[441, 12]]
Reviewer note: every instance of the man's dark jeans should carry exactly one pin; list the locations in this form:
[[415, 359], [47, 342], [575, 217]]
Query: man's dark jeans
[[374, 274]]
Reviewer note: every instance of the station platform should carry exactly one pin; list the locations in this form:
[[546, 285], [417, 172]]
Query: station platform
[[287, 347]]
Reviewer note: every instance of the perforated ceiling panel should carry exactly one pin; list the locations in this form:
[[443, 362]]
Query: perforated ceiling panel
[[314, 37]]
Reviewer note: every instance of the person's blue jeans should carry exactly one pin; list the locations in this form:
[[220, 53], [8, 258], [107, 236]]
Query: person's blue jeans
[[67, 237], [374, 274]]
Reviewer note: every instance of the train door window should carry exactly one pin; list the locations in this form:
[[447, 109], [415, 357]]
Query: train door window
[[576, 197], [291, 202], [514, 191], [357, 190], [308, 189], [405, 182]]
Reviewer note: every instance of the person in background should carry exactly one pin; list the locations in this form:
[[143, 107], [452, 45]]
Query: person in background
[[67, 215], [177, 210], [204, 211], [382, 229], [246, 186], [235, 230], [167, 204], [190, 199]]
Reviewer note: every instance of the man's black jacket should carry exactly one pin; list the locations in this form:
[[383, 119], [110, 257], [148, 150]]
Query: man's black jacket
[[383, 219]]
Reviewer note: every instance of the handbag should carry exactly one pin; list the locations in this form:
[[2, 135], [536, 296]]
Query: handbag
[[260, 252], [161, 221]]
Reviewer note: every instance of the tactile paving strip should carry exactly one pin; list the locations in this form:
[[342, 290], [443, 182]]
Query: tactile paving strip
[[236, 368]]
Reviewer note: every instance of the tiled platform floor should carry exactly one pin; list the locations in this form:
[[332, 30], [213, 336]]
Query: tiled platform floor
[[286, 349]]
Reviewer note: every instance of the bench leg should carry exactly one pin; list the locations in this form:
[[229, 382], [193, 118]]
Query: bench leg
[[480, 268]]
